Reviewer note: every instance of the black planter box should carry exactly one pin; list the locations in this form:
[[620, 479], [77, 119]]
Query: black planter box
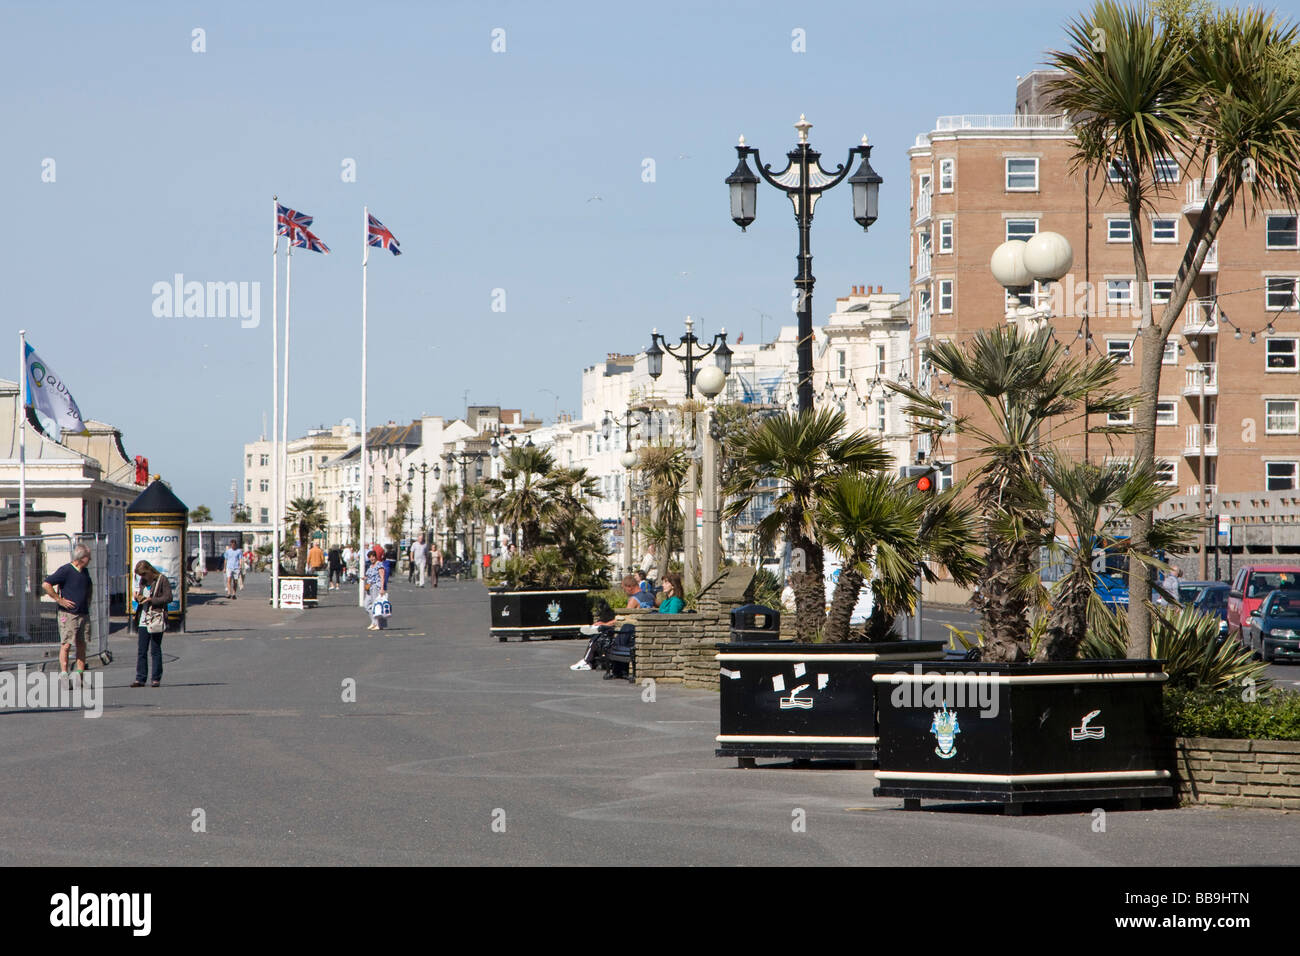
[[805, 701], [1023, 733], [529, 614]]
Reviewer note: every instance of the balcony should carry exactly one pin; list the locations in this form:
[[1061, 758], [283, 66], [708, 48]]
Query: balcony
[[1192, 385], [1195, 197], [1193, 447], [923, 325], [1194, 491], [1056, 121], [1211, 258], [923, 264], [923, 200], [1201, 318]]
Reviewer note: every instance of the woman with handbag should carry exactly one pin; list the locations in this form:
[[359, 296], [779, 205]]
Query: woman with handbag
[[377, 592], [151, 597]]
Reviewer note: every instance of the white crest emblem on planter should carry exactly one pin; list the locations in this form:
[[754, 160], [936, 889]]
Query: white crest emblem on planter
[[553, 611], [505, 610], [1084, 732], [792, 702], [945, 729]]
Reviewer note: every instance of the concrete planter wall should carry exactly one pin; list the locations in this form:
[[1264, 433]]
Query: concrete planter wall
[[1243, 773]]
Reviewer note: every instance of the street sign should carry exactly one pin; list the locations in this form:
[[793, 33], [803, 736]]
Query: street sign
[[291, 593]]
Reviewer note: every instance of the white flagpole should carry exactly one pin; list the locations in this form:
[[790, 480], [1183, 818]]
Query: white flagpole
[[22, 476], [365, 258], [284, 418], [275, 403]]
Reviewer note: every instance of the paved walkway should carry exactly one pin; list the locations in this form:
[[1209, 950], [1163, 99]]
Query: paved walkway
[[452, 732]]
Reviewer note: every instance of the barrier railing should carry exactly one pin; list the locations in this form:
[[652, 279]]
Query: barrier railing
[[27, 617]]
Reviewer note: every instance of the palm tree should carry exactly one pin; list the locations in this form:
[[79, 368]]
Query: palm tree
[[521, 492], [305, 516], [665, 469], [1093, 498], [805, 453], [476, 507], [200, 514], [1223, 88], [884, 530], [398, 518], [1026, 383]]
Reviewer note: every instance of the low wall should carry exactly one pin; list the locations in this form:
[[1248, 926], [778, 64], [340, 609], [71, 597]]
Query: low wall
[[679, 648], [1243, 773]]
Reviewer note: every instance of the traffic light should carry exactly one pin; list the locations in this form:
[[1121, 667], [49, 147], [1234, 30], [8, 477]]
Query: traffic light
[[922, 479]]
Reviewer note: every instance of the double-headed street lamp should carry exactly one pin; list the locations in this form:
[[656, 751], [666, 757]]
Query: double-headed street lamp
[[690, 353], [628, 460], [424, 470], [464, 458], [351, 497], [804, 180]]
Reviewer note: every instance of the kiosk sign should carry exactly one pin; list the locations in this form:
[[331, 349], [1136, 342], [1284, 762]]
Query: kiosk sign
[[161, 547]]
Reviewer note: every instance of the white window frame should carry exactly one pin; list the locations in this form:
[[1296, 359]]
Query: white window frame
[[881, 356], [1294, 353], [1162, 166], [1295, 244], [1006, 228], [1112, 222], [1172, 404], [1289, 466], [842, 364], [948, 246], [1120, 418], [1115, 171], [1111, 351], [950, 294], [881, 416], [1156, 297], [1172, 469], [1170, 354], [1294, 428], [951, 164], [1007, 174], [1112, 286], [1293, 298], [948, 406], [1167, 219]]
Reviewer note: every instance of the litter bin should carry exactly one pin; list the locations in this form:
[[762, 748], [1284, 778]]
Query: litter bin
[[755, 622]]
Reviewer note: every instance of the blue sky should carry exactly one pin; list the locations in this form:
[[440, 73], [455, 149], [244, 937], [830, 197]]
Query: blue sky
[[483, 164]]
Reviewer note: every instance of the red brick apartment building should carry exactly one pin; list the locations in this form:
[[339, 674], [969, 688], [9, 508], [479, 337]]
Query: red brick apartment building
[[979, 180]]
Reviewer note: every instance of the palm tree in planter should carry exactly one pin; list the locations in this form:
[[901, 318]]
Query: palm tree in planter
[[1216, 92], [664, 467], [887, 535], [522, 491], [477, 507], [1027, 383], [305, 516], [1094, 503], [805, 454]]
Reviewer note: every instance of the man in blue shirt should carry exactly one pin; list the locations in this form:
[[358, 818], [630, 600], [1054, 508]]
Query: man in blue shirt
[[635, 596], [232, 557], [73, 598]]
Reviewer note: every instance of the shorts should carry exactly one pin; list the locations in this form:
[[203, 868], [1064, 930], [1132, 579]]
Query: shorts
[[73, 627]]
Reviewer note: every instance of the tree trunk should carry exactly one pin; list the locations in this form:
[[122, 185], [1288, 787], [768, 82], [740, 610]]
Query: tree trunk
[[1069, 620], [809, 591], [843, 601]]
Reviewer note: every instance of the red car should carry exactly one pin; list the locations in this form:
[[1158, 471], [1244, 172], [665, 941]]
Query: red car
[[1250, 587]]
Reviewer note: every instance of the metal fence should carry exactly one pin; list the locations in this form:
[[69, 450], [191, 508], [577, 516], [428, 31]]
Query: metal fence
[[27, 617]]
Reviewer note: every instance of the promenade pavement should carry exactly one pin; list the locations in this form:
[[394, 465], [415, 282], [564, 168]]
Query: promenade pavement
[[461, 750]]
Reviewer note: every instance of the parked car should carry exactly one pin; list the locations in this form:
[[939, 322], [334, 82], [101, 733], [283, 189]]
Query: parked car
[[1273, 630], [1212, 598], [1251, 585]]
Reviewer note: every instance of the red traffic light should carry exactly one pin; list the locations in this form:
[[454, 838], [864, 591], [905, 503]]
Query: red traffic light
[[923, 483]]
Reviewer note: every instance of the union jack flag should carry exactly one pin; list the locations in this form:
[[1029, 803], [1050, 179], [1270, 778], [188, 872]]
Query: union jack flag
[[382, 238], [306, 239], [290, 221]]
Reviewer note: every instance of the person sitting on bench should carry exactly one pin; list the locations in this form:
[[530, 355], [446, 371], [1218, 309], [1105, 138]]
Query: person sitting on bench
[[605, 617]]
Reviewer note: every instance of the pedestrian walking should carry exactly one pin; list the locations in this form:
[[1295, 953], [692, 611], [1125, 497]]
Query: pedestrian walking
[[234, 559], [376, 589], [420, 559], [410, 563], [152, 595], [336, 568], [315, 558], [435, 562], [73, 597]]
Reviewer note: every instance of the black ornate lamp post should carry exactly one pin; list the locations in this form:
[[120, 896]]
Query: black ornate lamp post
[[424, 471], [804, 180], [464, 458], [351, 497], [628, 460], [689, 352]]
